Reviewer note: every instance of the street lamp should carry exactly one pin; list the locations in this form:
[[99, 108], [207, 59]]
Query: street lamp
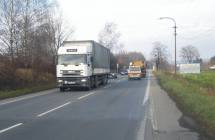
[[172, 19]]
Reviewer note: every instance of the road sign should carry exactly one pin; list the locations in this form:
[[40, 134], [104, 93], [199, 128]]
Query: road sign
[[189, 68]]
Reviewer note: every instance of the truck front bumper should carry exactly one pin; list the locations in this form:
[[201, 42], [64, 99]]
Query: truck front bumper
[[134, 76], [73, 82]]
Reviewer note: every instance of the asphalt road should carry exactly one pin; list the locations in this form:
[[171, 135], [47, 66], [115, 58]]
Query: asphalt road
[[116, 111]]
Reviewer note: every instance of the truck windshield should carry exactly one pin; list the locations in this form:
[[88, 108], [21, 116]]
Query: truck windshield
[[72, 59], [134, 68]]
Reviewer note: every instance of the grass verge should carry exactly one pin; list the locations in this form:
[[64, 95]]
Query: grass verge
[[22, 91], [192, 98]]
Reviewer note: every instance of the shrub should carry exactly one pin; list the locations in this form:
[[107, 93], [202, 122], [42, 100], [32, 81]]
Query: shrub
[[24, 76], [45, 78]]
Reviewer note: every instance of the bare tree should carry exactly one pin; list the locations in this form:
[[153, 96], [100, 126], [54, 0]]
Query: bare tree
[[124, 58], [57, 29], [109, 36], [9, 11], [60, 32], [24, 40], [189, 54], [135, 56], [160, 55]]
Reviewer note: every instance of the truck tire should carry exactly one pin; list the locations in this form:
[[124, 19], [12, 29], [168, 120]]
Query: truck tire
[[62, 89], [96, 83], [106, 80], [89, 87]]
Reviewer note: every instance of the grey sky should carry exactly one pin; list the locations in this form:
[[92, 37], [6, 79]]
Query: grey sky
[[138, 22]]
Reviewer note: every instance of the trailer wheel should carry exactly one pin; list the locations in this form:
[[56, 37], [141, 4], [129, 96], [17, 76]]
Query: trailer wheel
[[106, 80]]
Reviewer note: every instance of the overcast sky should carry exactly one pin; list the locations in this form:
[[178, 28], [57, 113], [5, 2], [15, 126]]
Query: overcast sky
[[138, 22]]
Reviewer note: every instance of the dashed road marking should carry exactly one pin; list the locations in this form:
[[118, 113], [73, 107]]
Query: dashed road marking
[[51, 110], [11, 127], [85, 96]]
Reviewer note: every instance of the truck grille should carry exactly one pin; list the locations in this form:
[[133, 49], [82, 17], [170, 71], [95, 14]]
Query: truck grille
[[71, 72]]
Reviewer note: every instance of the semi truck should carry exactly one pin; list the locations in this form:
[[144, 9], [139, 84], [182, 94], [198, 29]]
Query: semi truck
[[137, 69], [83, 63]]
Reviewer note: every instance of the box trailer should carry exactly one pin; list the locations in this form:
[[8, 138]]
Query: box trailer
[[82, 64]]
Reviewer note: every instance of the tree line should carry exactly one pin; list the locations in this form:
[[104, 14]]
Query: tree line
[[31, 31], [109, 37], [188, 54]]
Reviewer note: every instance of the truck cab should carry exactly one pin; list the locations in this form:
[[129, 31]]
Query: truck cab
[[136, 70]]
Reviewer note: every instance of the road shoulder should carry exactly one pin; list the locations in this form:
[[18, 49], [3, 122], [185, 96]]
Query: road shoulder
[[27, 96], [165, 116]]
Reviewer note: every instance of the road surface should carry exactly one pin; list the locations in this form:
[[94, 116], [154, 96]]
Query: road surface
[[117, 111]]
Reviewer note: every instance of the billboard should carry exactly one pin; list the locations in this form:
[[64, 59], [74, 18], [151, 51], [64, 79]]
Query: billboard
[[189, 68]]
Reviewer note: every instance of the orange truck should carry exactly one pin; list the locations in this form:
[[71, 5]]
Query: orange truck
[[137, 69]]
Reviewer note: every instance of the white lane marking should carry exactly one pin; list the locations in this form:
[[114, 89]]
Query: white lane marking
[[16, 99], [153, 115], [63, 105], [142, 129], [146, 97], [85, 96], [11, 127]]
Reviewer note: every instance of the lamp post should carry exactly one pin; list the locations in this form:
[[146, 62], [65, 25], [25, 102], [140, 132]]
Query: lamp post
[[175, 33]]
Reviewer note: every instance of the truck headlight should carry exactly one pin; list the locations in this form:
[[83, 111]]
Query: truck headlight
[[60, 81], [83, 80]]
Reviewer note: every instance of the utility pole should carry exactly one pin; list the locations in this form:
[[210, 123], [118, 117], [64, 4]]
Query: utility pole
[[175, 48], [175, 34]]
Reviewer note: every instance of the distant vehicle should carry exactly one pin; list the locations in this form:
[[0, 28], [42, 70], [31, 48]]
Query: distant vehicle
[[123, 72], [82, 64], [112, 76], [137, 70]]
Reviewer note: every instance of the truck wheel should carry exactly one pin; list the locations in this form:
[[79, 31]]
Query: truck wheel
[[62, 89], [96, 83], [106, 80], [89, 87]]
